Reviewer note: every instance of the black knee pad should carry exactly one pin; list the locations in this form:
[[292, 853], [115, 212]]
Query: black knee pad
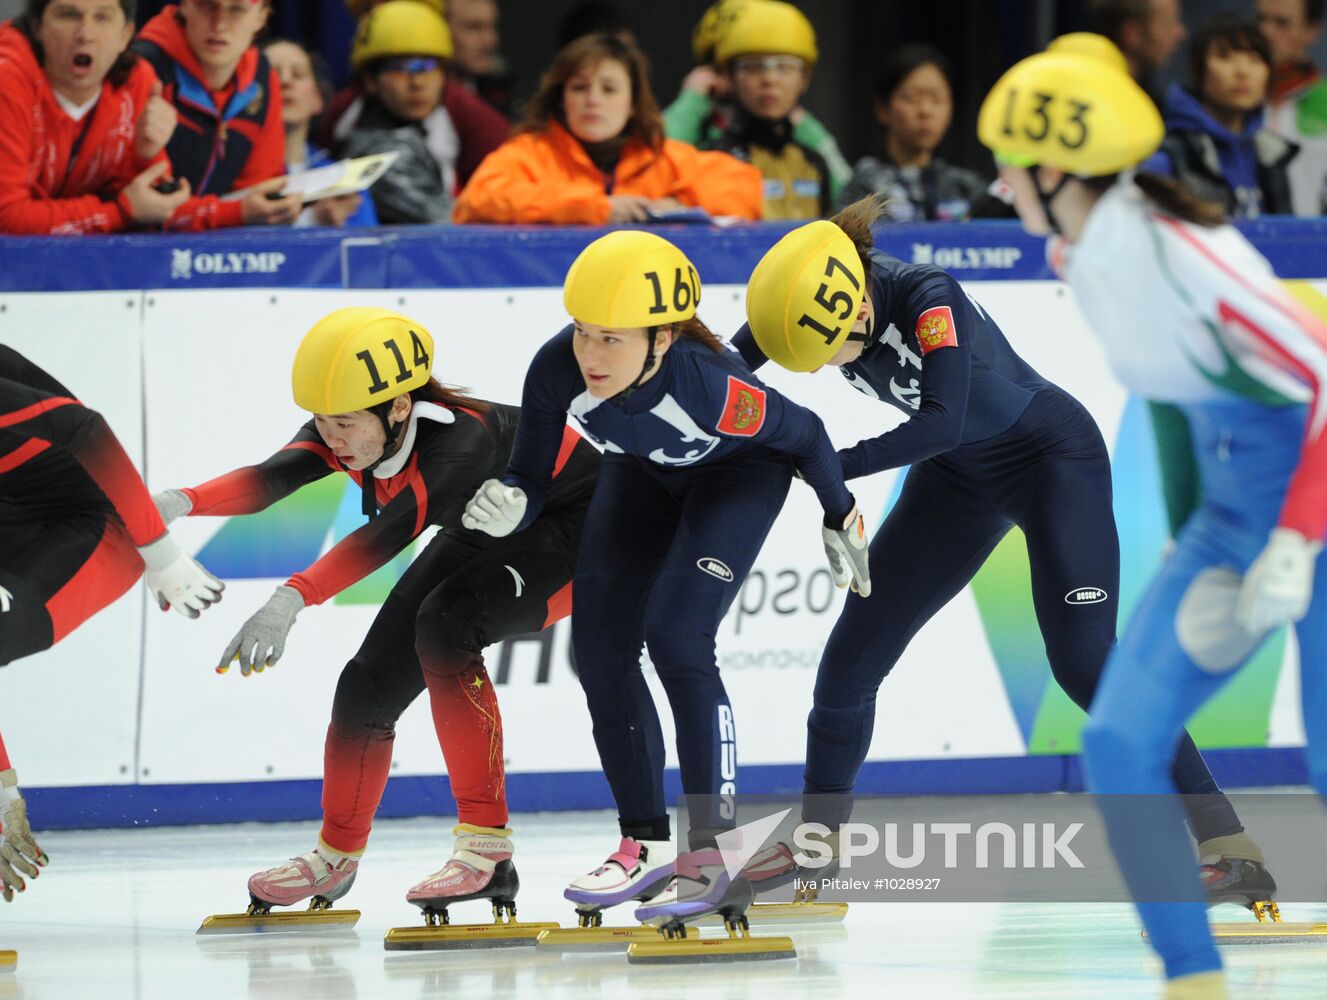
[[449, 631], [361, 704]]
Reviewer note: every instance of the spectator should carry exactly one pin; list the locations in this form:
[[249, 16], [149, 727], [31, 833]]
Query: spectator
[[765, 56], [1298, 101], [592, 150], [303, 96], [460, 130], [914, 105], [477, 62], [400, 52], [227, 97], [1146, 31], [1215, 141], [590, 17], [82, 123]]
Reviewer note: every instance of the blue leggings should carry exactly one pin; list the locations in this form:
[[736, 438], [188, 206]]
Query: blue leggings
[[1050, 475], [664, 552], [1154, 682]]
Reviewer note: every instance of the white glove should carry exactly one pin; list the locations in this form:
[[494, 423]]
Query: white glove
[[495, 508], [849, 556], [262, 639], [174, 578], [17, 848], [1278, 586], [172, 504]]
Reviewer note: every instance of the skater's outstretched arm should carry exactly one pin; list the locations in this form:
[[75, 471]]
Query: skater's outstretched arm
[[254, 488]]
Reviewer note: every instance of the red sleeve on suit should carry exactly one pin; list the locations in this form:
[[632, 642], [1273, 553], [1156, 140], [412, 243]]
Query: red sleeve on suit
[[256, 487]]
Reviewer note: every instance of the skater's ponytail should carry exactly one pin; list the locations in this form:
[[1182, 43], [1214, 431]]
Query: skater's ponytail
[[695, 329], [434, 391], [856, 220]]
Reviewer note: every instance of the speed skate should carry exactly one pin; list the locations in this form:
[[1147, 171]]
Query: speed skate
[[480, 868]]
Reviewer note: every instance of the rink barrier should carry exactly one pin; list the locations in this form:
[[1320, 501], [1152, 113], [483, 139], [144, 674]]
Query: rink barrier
[[478, 258], [94, 807], [520, 256]]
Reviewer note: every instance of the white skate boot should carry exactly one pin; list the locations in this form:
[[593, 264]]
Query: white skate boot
[[638, 869]]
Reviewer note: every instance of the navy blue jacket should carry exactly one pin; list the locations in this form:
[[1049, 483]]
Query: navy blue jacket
[[702, 407], [936, 355]]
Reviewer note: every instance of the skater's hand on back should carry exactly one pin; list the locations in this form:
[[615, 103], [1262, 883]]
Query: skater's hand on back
[[848, 554], [1278, 586], [495, 508], [262, 640], [175, 579], [19, 853]]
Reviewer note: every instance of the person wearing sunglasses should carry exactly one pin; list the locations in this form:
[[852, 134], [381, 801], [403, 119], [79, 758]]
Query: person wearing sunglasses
[[402, 54]]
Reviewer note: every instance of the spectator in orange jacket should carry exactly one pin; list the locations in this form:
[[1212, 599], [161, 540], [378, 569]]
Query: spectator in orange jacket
[[230, 136], [82, 123], [592, 150]]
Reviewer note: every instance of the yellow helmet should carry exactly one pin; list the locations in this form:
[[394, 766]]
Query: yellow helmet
[[767, 26], [803, 297], [358, 8], [1085, 43], [400, 28], [631, 279], [1071, 111], [356, 358], [713, 25]]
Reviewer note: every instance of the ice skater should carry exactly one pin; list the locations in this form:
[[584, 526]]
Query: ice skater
[[699, 457], [77, 530], [1189, 314], [418, 451], [988, 444]]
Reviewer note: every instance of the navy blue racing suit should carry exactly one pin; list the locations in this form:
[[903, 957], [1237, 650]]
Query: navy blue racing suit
[[990, 444], [697, 464]]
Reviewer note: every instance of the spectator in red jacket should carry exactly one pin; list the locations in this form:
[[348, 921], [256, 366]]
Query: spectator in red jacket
[[230, 136], [82, 123]]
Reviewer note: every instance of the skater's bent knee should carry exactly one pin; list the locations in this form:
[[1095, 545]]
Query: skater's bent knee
[[449, 622]]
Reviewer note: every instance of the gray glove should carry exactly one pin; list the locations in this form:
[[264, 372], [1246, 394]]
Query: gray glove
[[262, 640], [849, 556], [17, 848], [172, 504]]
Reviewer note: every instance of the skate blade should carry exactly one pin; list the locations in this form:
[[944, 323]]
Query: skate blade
[[8, 961], [680, 951], [765, 914], [1279, 932], [286, 920], [452, 937], [594, 939]]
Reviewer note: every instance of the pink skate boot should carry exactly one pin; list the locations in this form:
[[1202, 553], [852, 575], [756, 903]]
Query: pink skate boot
[[322, 875], [480, 868]]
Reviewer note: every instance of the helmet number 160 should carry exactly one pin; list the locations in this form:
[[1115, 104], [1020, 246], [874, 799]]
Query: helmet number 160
[[685, 291]]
